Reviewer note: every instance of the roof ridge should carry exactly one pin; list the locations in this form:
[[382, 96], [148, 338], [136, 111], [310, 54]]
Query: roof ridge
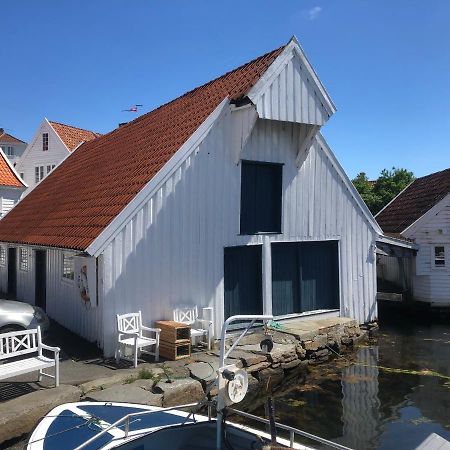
[[224, 75], [115, 167], [4, 133], [432, 174]]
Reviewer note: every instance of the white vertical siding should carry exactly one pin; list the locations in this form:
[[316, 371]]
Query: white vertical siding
[[35, 156], [8, 198], [25, 278], [65, 305], [292, 97], [433, 284], [171, 251], [63, 301]]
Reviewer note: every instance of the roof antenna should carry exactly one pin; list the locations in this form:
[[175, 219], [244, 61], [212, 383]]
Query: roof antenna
[[134, 108]]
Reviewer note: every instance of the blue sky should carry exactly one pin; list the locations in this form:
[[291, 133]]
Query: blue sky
[[385, 63]]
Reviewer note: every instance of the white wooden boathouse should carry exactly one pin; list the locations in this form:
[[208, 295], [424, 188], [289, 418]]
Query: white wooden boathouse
[[227, 197]]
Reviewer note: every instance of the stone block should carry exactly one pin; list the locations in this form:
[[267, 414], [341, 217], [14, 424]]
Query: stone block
[[317, 343], [275, 375], [179, 392], [129, 393], [203, 372], [301, 352], [291, 364], [321, 353], [248, 358], [257, 367], [20, 415], [283, 353]]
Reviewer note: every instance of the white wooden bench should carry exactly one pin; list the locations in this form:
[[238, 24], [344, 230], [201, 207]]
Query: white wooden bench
[[21, 352]]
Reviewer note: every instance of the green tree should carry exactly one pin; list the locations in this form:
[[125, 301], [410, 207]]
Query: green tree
[[379, 193]]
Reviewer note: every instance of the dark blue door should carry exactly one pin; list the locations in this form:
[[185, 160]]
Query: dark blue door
[[243, 280], [305, 277]]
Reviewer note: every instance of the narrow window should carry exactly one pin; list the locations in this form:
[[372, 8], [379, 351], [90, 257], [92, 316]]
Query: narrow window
[[23, 259], [2, 255], [68, 267], [22, 175], [49, 168], [10, 151], [439, 256], [261, 192], [44, 142], [38, 173]]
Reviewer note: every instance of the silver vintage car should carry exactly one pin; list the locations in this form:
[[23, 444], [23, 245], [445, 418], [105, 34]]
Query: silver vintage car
[[16, 316]]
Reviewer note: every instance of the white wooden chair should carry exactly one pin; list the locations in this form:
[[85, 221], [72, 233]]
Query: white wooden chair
[[199, 326], [21, 352], [130, 333]]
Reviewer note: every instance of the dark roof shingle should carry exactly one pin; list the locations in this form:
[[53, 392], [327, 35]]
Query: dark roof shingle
[[74, 204], [420, 196]]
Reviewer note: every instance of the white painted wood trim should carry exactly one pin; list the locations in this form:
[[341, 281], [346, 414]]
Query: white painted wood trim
[[108, 234], [293, 47], [59, 137], [25, 185], [267, 275], [306, 144], [349, 185], [397, 242]]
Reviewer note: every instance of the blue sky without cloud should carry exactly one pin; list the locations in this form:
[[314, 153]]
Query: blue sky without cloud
[[385, 63]]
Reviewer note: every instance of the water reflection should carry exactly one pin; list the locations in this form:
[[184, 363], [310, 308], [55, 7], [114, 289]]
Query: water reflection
[[360, 402], [390, 394]]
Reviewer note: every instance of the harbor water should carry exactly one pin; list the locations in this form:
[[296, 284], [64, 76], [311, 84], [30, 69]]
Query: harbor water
[[391, 393]]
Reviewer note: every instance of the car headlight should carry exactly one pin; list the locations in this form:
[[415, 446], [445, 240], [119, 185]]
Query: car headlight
[[39, 315]]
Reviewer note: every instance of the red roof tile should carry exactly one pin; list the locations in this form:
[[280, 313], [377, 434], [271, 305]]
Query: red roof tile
[[7, 175], [74, 204], [72, 136], [9, 138], [420, 196]]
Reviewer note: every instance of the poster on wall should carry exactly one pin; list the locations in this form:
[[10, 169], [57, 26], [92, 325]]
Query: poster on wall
[[86, 280]]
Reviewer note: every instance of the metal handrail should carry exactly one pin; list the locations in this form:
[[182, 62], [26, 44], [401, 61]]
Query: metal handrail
[[292, 431], [126, 419]]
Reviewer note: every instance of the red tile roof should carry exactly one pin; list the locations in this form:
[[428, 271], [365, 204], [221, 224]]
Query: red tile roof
[[9, 138], [74, 204], [72, 136], [420, 196], [7, 175]]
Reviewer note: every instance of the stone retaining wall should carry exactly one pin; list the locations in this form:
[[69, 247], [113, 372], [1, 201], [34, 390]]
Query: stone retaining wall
[[175, 383]]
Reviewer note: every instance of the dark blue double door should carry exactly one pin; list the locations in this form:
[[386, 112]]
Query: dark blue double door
[[305, 277]]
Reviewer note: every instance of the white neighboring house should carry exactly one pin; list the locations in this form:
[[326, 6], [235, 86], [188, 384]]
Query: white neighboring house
[[11, 146], [11, 185], [227, 197], [421, 214], [50, 145]]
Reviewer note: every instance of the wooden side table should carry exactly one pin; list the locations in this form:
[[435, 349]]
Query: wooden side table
[[175, 339]]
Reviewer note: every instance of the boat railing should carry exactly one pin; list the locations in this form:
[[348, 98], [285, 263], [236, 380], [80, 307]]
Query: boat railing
[[125, 420], [292, 431]]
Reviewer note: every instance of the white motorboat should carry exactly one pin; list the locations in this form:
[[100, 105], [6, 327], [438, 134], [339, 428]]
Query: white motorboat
[[127, 426]]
